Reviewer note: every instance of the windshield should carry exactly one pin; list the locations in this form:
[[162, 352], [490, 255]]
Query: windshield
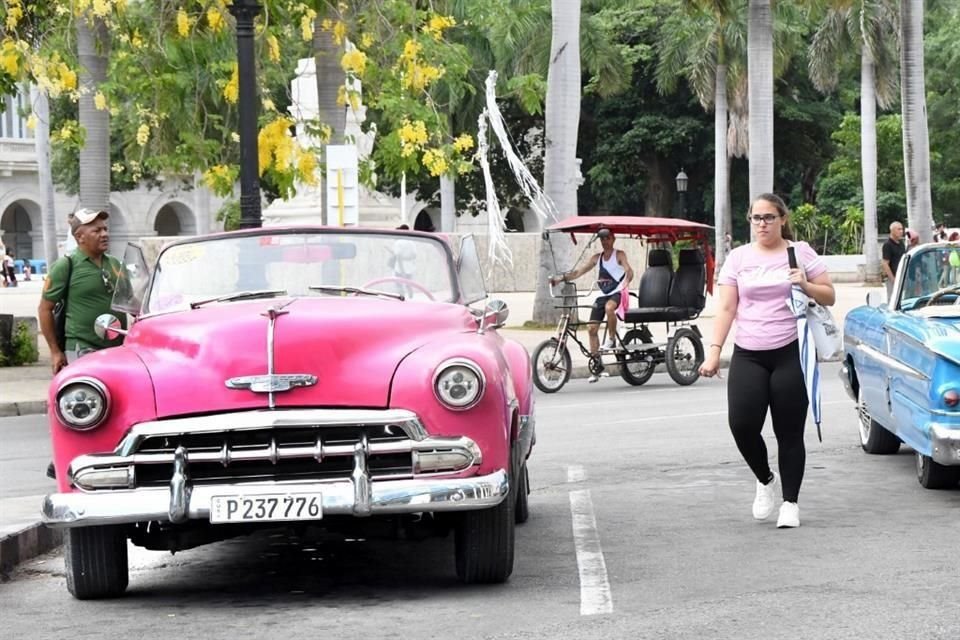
[[929, 271], [302, 264]]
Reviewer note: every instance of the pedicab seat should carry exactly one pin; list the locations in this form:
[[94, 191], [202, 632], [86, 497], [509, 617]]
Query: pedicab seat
[[665, 296]]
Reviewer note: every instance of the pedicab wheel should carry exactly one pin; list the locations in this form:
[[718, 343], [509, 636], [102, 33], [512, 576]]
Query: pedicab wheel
[[873, 437], [933, 475], [484, 542], [96, 561], [551, 366], [636, 367], [684, 356]]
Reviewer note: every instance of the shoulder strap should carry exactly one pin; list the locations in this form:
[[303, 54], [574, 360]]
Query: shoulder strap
[[66, 287]]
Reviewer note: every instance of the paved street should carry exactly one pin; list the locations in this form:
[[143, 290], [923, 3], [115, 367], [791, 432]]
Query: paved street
[[640, 528]]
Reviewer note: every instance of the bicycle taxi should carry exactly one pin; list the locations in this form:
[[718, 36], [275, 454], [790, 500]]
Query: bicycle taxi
[[679, 269]]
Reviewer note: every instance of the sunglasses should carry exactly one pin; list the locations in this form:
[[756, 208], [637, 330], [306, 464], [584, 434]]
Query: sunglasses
[[107, 282], [757, 218]]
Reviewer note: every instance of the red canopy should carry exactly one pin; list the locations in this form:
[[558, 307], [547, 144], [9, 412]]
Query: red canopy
[[644, 226]]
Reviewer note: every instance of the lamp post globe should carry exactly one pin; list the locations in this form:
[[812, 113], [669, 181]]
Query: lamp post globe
[[682, 182], [244, 11]]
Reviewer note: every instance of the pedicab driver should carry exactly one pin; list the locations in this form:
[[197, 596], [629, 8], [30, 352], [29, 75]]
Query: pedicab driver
[[614, 275]]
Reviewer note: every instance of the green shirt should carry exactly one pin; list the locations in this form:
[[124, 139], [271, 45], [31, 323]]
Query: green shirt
[[89, 295]]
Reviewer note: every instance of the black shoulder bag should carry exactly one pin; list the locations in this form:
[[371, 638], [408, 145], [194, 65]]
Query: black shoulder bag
[[60, 310]]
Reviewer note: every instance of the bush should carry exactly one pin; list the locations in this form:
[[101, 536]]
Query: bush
[[23, 348]]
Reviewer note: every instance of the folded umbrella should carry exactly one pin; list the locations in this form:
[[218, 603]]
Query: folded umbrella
[[798, 302]]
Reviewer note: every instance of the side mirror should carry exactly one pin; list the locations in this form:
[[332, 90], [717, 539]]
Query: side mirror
[[107, 326], [875, 298], [495, 315]]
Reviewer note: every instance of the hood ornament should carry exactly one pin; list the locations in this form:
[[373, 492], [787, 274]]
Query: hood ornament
[[272, 383]]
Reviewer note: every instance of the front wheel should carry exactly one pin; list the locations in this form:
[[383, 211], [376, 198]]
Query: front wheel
[[873, 437], [933, 475], [636, 365], [96, 561], [684, 356], [551, 366], [484, 542]]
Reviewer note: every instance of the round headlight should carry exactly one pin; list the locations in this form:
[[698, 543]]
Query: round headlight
[[82, 403], [458, 384]]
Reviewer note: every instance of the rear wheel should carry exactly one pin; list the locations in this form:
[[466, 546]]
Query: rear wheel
[[873, 437], [484, 542], [551, 366], [684, 356], [96, 561], [933, 475], [636, 366]]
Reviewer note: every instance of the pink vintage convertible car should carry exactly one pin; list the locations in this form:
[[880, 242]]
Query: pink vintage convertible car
[[294, 377]]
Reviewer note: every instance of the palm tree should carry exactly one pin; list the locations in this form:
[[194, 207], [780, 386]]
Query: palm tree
[[48, 217], [706, 44], [870, 27], [760, 73], [330, 78], [916, 142], [562, 124], [93, 46]]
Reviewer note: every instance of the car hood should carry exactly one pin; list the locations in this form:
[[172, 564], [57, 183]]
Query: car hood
[[351, 345]]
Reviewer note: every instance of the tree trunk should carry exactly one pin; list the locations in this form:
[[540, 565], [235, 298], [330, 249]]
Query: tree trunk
[[93, 48], [48, 215], [868, 160], [560, 162], [721, 185], [448, 204], [330, 77], [760, 73], [916, 143]]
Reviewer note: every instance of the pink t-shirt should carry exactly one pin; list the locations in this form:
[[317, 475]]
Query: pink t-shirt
[[762, 280]]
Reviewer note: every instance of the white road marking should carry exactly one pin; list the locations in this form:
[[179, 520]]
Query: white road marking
[[576, 473], [595, 595]]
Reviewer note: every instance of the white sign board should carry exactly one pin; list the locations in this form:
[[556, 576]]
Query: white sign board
[[343, 186]]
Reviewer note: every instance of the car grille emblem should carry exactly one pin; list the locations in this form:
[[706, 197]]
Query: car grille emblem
[[272, 383]]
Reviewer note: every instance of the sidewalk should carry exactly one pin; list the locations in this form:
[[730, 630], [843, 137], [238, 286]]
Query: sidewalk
[[23, 391]]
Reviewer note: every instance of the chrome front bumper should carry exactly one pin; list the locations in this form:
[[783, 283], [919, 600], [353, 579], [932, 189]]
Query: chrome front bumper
[[945, 445], [182, 502]]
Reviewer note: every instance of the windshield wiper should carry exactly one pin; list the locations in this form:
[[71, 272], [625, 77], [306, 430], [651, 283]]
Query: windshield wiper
[[366, 292], [241, 295]]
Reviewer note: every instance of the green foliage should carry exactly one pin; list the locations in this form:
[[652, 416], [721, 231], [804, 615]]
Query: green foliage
[[229, 215], [23, 348]]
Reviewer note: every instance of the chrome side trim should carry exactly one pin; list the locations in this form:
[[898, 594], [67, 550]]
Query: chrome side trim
[[895, 365], [387, 497], [247, 420]]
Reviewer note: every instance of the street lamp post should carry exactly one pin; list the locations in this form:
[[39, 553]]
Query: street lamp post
[[245, 11], [682, 182]]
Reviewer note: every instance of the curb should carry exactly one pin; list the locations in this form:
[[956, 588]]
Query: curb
[[26, 408], [25, 544]]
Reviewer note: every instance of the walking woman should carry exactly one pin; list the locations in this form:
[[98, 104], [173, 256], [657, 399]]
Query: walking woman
[[765, 370]]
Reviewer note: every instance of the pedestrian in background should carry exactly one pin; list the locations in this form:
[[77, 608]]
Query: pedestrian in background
[[891, 253], [765, 371], [9, 271], [85, 281]]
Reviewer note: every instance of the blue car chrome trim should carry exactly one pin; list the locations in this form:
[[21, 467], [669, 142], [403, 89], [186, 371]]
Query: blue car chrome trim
[[346, 498], [895, 365], [945, 445]]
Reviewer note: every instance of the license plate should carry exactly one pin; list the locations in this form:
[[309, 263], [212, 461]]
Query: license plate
[[266, 508]]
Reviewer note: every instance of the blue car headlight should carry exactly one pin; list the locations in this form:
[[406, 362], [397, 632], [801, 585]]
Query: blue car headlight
[[458, 384]]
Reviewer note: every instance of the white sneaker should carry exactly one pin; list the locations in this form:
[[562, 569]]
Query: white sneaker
[[592, 379], [766, 499], [609, 344], [789, 516]]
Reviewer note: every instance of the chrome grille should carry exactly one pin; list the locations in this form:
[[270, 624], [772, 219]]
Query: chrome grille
[[288, 453]]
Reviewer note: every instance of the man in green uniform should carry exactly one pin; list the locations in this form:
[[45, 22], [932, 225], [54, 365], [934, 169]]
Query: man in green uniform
[[92, 280]]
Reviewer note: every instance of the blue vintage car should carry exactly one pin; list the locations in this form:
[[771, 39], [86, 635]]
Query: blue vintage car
[[902, 364]]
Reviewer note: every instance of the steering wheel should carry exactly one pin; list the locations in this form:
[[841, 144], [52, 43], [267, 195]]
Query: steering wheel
[[404, 281]]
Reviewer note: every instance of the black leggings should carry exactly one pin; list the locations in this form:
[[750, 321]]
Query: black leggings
[[769, 379]]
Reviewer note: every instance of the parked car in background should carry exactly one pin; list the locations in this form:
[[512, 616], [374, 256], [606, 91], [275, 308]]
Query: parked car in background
[[902, 364], [290, 377]]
